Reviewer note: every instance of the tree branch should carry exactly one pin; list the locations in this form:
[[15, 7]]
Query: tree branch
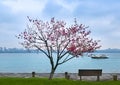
[[64, 49], [42, 50], [65, 60]]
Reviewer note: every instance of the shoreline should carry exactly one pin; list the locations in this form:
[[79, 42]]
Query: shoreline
[[73, 76]]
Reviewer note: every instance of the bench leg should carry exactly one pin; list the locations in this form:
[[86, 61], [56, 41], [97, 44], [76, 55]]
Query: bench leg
[[98, 78], [80, 78]]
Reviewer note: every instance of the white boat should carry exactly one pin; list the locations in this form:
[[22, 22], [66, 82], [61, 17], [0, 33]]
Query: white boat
[[102, 56]]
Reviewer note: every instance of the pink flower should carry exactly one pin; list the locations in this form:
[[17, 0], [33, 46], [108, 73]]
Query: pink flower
[[71, 48]]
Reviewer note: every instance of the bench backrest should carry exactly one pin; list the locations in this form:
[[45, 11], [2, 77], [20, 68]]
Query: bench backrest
[[89, 72]]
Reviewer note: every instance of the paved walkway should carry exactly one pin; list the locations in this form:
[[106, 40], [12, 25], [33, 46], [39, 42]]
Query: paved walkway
[[74, 76]]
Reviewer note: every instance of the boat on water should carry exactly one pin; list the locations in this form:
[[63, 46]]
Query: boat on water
[[103, 56]]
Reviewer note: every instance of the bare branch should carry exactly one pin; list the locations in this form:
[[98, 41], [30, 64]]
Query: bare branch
[[42, 50], [65, 60]]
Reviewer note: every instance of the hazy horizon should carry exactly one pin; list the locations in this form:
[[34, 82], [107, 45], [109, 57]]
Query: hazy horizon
[[102, 17]]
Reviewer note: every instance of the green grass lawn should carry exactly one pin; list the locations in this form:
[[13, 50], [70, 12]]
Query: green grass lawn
[[45, 81]]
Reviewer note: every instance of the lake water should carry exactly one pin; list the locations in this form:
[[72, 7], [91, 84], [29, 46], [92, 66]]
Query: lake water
[[28, 62]]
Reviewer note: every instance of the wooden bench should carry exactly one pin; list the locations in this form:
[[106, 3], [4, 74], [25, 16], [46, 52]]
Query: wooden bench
[[90, 72]]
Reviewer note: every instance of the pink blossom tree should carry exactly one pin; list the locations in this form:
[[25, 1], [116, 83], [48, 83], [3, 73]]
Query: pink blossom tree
[[49, 37]]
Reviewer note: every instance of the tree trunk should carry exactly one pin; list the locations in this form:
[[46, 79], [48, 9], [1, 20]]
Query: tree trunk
[[51, 74]]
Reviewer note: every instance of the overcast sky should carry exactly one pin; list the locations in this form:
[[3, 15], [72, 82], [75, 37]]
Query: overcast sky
[[102, 17]]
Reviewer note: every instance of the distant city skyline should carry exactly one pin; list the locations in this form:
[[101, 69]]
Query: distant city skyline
[[21, 50], [102, 17]]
